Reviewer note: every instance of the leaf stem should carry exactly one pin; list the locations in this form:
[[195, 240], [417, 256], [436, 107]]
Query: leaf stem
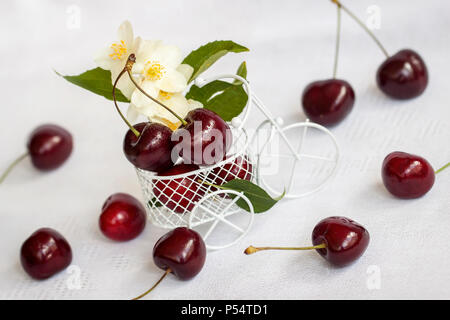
[[252, 249], [154, 286], [12, 165], [128, 67], [443, 168], [338, 41], [363, 25], [136, 133], [212, 185]]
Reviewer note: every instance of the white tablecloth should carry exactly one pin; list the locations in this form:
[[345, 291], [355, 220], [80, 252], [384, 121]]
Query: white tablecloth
[[292, 43]]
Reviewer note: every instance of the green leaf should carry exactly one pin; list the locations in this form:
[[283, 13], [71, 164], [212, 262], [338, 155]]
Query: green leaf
[[242, 71], [97, 81], [224, 98], [202, 58], [154, 203], [259, 198]]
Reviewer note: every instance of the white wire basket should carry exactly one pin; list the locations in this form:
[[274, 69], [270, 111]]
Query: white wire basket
[[189, 199]]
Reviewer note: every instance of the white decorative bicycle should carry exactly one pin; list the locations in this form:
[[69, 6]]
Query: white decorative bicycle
[[210, 208]]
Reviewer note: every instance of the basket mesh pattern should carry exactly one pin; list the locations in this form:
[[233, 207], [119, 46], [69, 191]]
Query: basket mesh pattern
[[170, 200]]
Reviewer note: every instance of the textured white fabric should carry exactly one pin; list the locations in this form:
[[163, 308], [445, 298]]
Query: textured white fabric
[[292, 43]]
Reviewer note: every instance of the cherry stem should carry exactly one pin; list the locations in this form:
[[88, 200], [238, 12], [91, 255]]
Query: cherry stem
[[252, 249], [136, 133], [128, 67], [11, 166], [338, 41], [363, 25], [154, 286], [443, 168]]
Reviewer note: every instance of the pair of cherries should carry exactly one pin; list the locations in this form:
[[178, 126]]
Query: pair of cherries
[[46, 251], [401, 76], [183, 252], [152, 149]]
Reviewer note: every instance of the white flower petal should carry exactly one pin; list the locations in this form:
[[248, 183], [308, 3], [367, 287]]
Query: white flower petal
[[172, 81], [103, 59], [125, 33], [194, 104], [178, 104], [168, 56], [124, 85], [185, 70], [139, 99], [145, 50], [135, 47], [132, 113]]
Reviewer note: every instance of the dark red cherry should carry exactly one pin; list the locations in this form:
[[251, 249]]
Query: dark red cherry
[[328, 102], [182, 250], [45, 253], [403, 75], [178, 194], [123, 217], [239, 168], [49, 146], [406, 175], [338, 239], [152, 149], [205, 139], [345, 240]]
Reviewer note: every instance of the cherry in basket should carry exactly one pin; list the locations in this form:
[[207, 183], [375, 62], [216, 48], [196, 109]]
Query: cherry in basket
[[151, 149], [182, 252], [203, 137], [339, 240], [49, 146], [178, 194], [238, 168]]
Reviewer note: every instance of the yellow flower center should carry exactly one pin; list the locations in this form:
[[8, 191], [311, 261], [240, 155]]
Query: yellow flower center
[[154, 71], [163, 95], [172, 125], [120, 50]]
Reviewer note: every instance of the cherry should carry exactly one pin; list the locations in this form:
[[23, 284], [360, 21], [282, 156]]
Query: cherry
[[403, 75], [45, 253], [345, 240], [338, 239], [407, 176], [239, 168], [182, 252], [205, 137], [152, 149], [49, 146], [123, 217], [178, 194], [328, 102]]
